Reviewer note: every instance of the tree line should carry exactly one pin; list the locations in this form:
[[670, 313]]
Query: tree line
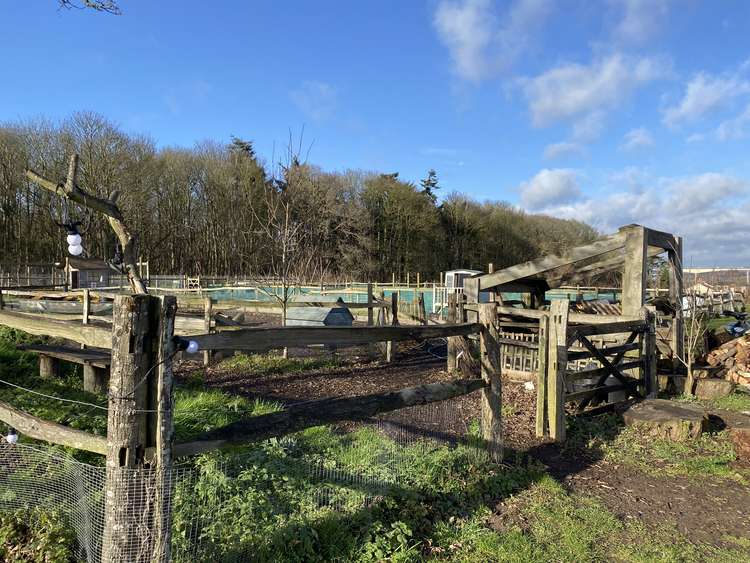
[[213, 209]]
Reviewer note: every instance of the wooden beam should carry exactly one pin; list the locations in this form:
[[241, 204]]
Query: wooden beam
[[489, 354], [541, 379], [39, 429], [606, 328], [557, 365], [635, 270], [262, 339], [660, 239], [573, 318], [324, 411], [90, 335], [547, 263]]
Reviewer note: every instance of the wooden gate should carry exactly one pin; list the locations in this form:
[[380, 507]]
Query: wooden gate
[[619, 370]]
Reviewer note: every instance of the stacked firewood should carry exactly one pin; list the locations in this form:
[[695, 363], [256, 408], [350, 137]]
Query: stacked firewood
[[733, 359]]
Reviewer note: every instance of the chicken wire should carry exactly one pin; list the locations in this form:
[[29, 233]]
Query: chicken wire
[[225, 505]]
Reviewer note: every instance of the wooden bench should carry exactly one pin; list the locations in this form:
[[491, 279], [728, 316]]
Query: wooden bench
[[95, 363]]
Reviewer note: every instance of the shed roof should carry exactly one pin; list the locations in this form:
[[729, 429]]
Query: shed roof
[[318, 314]]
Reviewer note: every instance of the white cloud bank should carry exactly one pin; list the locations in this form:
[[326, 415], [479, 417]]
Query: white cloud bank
[[550, 187], [641, 20], [637, 139], [709, 210], [704, 94], [483, 42]]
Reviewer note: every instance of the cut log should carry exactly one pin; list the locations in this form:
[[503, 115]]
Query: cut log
[[666, 419], [711, 389]]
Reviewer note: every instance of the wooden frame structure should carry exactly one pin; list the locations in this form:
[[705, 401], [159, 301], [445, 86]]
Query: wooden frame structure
[[140, 429]]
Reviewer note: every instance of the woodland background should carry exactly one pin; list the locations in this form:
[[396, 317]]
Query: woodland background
[[213, 209]]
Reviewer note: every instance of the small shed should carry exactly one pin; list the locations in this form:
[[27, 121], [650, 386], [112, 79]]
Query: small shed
[[87, 273], [455, 278], [319, 316]]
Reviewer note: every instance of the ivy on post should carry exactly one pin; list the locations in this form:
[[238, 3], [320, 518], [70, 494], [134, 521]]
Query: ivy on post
[[139, 431], [491, 395]]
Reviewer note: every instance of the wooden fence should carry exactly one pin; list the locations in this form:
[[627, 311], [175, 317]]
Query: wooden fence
[[140, 429]]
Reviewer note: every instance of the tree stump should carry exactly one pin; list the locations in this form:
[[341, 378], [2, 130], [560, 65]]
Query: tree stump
[[666, 419], [711, 389]]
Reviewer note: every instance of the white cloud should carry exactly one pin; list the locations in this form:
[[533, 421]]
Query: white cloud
[[735, 128], [562, 149], [705, 94], [641, 19], [550, 187], [481, 43], [709, 210], [696, 138], [315, 99], [572, 90], [636, 139]]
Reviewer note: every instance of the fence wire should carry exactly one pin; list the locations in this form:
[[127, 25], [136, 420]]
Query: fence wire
[[233, 506]]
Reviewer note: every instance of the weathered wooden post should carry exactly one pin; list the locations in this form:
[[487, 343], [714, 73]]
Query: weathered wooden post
[[421, 311], [648, 350], [139, 431], [207, 314], [489, 349], [557, 364], [452, 340], [86, 306], [542, 427], [370, 318], [390, 350], [674, 256]]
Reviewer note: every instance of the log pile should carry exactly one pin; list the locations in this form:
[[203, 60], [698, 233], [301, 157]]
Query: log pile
[[733, 360]]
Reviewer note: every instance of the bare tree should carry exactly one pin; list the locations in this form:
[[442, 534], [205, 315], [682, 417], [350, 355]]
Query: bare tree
[[107, 6], [695, 327]]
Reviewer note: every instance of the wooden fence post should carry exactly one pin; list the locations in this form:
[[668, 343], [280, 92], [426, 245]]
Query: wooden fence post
[[452, 340], [86, 306], [370, 317], [137, 507], [207, 313], [649, 356], [542, 426], [557, 364], [492, 395], [390, 349], [421, 311]]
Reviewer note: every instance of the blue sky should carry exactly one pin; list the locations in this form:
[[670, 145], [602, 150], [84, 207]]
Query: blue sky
[[611, 111]]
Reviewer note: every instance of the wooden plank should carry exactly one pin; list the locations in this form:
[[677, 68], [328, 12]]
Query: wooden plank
[[541, 379], [519, 343], [325, 411], [557, 365], [75, 355], [613, 367], [599, 372], [608, 351], [51, 432], [90, 335], [547, 263], [489, 353], [573, 318], [262, 339], [660, 239], [606, 328]]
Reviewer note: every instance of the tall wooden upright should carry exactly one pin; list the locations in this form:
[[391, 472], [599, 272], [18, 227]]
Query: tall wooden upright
[[635, 270], [489, 349], [139, 430], [557, 364]]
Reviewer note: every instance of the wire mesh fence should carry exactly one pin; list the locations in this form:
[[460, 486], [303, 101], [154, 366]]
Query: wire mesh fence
[[234, 505]]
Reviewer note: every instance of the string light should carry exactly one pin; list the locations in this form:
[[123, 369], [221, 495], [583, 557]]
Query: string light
[[12, 436], [74, 238]]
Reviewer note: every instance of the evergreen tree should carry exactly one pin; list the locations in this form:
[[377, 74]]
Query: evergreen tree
[[430, 184]]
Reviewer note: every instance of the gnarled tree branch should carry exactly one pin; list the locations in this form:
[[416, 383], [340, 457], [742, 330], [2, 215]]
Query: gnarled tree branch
[[107, 207]]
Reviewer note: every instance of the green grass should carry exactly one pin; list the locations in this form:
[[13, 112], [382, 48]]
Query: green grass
[[272, 364], [711, 455], [548, 524]]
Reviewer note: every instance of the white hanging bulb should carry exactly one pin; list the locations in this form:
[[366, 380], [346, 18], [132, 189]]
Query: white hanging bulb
[[192, 347], [75, 249], [12, 436], [74, 239]]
